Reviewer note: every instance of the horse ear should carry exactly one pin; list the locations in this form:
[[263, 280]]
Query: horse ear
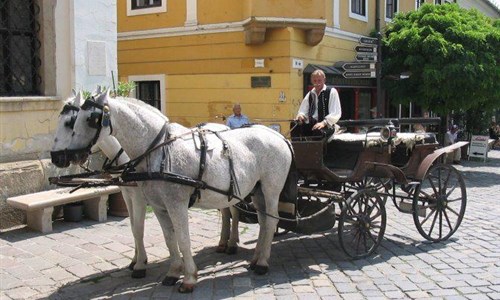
[[78, 99], [98, 90], [73, 93], [102, 98]]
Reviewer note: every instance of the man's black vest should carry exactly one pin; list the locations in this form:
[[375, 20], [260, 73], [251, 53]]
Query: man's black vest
[[323, 99]]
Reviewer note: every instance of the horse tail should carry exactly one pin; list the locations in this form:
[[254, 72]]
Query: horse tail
[[289, 192]]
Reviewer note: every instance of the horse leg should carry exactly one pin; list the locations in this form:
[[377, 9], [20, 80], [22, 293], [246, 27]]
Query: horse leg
[[266, 203], [136, 207], [225, 231], [234, 236], [180, 219], [176, 265]]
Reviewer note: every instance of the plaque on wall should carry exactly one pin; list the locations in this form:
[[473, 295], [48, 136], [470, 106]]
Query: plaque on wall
[[261, 81]]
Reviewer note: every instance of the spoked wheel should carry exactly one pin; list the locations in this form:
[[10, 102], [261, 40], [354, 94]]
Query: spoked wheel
[[379, 184], [362, 223], [439, 203]]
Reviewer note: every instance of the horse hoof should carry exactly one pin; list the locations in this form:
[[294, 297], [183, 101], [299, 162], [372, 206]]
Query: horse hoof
[[169, 281], [260, 270], [252, 266], [186, 288], [220, 249], [132, 264], [231, 250], [139, 273]]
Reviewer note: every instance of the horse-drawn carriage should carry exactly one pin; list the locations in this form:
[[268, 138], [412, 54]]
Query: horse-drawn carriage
[[346, 178], [359, 172]]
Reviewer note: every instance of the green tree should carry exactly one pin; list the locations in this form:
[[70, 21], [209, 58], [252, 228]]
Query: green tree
[[451, 55]]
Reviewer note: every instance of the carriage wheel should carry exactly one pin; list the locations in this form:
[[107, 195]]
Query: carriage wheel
[[439, 203], [362, 223], [381, 185]]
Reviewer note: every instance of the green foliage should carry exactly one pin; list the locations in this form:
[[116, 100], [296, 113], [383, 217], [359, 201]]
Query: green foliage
[[124, 88], [452, 55]]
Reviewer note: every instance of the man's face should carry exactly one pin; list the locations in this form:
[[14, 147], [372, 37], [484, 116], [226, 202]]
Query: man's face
[[237, 110], [318, 81]]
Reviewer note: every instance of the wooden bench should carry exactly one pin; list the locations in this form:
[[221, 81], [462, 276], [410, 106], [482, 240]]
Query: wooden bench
[[39, 206]]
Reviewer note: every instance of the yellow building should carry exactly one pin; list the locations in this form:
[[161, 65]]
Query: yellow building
[[198, 58]]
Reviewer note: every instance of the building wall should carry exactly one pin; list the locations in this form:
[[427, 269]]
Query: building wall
[[200, 48], [27, 124]]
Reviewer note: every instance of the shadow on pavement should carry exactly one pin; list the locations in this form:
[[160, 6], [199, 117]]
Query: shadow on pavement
[[294, 258]]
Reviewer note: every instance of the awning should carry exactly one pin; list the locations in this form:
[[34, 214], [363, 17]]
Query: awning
[[329, 70]]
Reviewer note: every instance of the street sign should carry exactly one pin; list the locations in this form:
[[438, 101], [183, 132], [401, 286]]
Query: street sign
[[478, 146], [368, 40], [366, 49], [358, 66], [371, 57], [359, 74]]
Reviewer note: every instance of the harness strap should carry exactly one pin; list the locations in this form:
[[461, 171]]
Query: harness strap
[[107, 166], [133, 163], [233, 183], [203, 158]]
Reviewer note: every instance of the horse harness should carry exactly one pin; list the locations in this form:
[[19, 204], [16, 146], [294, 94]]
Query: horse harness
[[97, 120]]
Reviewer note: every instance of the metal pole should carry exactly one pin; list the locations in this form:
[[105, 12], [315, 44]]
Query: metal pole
[[378, 64]]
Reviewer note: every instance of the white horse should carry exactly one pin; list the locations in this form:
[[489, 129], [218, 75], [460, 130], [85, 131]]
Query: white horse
[[134, 197], [237, 162], [136, 208]]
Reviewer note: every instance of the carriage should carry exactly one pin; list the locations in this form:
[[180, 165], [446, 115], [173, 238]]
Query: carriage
[[345, 178], [349, 177]]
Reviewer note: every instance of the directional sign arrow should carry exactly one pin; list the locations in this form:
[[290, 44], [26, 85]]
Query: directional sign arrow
[[359, 74], [366, 49], [366, 57], [368, 40], [358, 66]]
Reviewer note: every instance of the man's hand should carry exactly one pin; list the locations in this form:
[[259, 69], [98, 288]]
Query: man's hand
[[319, 125], [301, 119]]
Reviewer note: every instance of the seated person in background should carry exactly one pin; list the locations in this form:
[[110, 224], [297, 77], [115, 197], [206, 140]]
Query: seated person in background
[[419, 128], [320, 108], [449, 139], [236, 120]]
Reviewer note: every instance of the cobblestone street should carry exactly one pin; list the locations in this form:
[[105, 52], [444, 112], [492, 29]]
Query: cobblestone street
[[87, 260]]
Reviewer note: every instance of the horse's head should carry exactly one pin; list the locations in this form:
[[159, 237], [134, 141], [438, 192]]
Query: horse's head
[[61, 156], [91, 125]]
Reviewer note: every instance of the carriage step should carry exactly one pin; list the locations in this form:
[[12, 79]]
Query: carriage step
[[407, 208]]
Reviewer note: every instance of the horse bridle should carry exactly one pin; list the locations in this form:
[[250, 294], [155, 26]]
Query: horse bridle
[[97, 120]]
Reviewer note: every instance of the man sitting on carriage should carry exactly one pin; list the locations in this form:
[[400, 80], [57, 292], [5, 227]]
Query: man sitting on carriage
[[320, 109]]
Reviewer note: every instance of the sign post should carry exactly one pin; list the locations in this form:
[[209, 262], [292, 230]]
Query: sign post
[[478, 146]]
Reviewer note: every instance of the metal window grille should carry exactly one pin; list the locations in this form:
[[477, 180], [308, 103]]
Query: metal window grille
[[358, 7], [419, 3], [139, 4], [149, 92], [19, 48], [391, 8]]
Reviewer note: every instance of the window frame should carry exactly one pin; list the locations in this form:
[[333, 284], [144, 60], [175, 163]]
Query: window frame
[[358, 16], [396, 3], [146, 10], [152, 77]]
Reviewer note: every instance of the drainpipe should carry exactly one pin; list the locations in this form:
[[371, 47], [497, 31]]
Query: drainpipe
[[378, 64]]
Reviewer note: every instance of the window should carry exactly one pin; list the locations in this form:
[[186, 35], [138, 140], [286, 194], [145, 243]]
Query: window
[[437, 1], [150, 89], [141, 4], [149, 92], [391, 8], [19, 48], [358, 9], [418, 3], [143, 7]]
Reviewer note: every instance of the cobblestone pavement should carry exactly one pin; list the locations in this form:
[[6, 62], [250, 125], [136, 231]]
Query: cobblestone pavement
[[87, 260]]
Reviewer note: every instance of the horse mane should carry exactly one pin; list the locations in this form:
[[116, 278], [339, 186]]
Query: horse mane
[[142, 104]]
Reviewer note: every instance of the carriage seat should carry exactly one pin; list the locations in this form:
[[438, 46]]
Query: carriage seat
[[39, 206]]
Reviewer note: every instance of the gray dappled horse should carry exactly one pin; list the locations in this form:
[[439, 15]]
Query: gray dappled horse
[[235, 163], [134, 197]]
